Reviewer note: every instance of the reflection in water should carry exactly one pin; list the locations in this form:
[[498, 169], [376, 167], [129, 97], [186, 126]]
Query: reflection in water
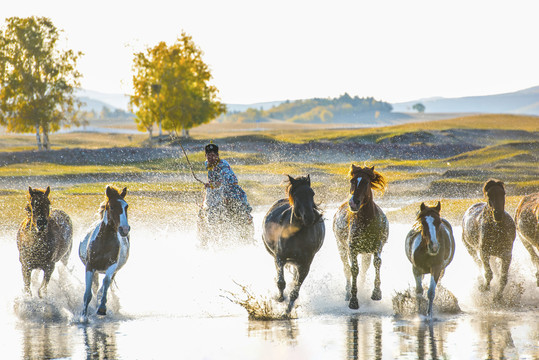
[[283, 331], [100, 341], [498, 341], [364, 338], [424, 339], [45, 341]]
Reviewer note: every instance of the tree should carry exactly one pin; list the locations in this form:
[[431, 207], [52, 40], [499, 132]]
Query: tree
[[171, 88], [420, 108], [37, 79]]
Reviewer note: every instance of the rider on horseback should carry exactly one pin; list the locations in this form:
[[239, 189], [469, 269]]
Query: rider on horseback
[[222, 189]]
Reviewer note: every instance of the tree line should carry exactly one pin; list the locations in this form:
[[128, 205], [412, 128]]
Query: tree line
[[38, 81], [344, 109]]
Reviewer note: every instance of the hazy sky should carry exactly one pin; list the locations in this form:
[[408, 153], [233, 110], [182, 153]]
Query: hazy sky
[[392, 50]]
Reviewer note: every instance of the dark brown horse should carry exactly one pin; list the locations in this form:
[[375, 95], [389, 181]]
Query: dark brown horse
[[293, 232], [430, 247], [527, 221], [361, 227], [44, 238], [105, 248], [488, 230]]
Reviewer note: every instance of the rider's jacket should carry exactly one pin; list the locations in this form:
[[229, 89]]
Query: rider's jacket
[[224, 186]]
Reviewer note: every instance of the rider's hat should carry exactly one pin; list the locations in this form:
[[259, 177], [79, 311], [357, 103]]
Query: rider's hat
[[211, 147]]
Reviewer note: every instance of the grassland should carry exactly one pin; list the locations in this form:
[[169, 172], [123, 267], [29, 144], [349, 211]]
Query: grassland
[[411, 156]]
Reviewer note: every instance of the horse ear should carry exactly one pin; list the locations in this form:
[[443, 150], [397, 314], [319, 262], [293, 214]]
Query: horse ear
[[309, 179], [30, 190], [124, 192], [108, 191], [372, 168], [422, 207], [290, 178], [48, 191], [438, 206]]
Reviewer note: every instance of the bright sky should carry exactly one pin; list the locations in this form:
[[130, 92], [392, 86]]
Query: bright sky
[[392, 50]]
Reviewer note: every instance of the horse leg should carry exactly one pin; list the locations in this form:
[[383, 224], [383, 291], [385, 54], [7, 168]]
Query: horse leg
[[88, 291], [27, 278], [47, 273], [301, 274], [485, 259], [354, 304], [346, 266], [102, 310], [281, 283], [434, 276], [418, 276], [533, 255], [377, 293], [506, 262], [365, 263]]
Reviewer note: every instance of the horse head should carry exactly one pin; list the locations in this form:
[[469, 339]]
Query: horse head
[[39, 207], [362, 181], [429, 217], [494, 191], [115, 210], [301, 198]]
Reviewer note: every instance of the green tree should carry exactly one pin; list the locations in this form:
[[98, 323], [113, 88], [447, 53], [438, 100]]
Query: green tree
[[171, 88], [420, 108], [37, 79]]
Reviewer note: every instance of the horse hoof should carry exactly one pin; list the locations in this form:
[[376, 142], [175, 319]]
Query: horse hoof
[[280, 298], [354, 305], [102, 311], [484, 288], [376, 295]]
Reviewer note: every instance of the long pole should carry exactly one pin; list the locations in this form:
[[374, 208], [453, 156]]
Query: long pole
[[191, 166]]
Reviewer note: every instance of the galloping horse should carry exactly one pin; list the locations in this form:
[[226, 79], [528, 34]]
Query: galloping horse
[[361, 227], [105, 247], [430, 247], [488, 230], [527, 222], [44, 238], [293, 232]]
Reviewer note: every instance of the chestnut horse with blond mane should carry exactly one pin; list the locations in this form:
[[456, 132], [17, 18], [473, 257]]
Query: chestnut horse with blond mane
[[361, 227]]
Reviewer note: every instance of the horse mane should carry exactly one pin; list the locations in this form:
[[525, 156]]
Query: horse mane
[[378, 181], [421, 214], [490, 183], [103, 206], [28, 207], [302, 180]]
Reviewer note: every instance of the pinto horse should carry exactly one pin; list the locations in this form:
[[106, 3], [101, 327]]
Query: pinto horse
[[361, 227], [527, 222], [44, 238], [430, 247], [105, 247], [293, 232], [488, 230]]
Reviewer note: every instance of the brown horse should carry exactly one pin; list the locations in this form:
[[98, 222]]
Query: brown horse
[[488, 230], [44, 238], [430, 247], [293, 232], [527, 221], [361, 227], [105, 248]]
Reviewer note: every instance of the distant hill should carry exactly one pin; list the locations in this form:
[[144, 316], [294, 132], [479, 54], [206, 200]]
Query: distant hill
[[95, 100], [524, 102]]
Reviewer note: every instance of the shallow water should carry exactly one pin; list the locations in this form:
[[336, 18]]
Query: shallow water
[[170, 302]]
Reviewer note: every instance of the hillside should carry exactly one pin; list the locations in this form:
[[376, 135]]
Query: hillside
[[523, 102]]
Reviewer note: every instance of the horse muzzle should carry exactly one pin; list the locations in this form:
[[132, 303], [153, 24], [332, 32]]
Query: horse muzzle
[[41, 224], [124, 230]]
